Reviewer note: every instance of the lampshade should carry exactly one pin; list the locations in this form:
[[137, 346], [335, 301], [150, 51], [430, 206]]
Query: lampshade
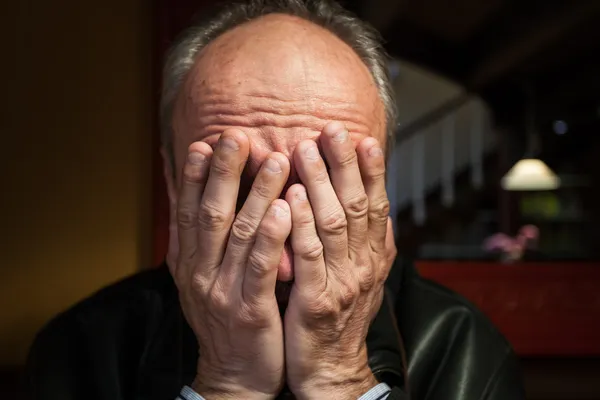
[[530, 174]]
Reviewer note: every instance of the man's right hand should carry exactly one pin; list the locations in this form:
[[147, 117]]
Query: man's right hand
[[227, 268]]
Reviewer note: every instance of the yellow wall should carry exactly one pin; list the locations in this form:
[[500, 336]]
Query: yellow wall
[[75, 156]]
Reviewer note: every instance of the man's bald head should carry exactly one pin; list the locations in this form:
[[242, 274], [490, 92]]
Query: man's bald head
[[221, 49], [278, 71], [279, 79]]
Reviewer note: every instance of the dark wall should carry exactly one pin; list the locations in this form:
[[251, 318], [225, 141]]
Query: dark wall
[[76, 133]]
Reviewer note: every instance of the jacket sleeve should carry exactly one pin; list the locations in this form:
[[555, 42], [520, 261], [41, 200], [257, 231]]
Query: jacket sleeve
[[55, 367], [507, 383], [396, 394]]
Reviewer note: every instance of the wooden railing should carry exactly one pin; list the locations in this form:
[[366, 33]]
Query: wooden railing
[[430, 152]]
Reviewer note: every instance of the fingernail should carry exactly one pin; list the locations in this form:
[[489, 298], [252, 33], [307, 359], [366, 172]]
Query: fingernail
[[332, 128], [375, 151], [196, 158], [301, 195], [278, 212], [337, 131], [312, 153], [273, 166], [341, 136], [229, 144]]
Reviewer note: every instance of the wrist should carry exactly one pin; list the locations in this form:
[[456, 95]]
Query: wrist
[[338, 385], [212, 391]]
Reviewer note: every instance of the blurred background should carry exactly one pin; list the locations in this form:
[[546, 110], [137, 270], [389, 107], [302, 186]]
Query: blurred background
[[494, 176]]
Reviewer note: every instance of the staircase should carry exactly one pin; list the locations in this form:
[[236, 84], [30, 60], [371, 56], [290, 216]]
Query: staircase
[[430, 155]]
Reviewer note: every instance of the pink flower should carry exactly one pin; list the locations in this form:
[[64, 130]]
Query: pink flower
[[497, 242], [513, 248]]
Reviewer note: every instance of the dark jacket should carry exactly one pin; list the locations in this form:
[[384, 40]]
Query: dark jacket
[[130, 341]]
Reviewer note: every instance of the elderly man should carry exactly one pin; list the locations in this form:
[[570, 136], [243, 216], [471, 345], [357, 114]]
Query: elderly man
[[276, 116]]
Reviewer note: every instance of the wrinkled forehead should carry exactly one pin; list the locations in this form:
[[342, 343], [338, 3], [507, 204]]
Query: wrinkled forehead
[[282, 79], [291, 57]]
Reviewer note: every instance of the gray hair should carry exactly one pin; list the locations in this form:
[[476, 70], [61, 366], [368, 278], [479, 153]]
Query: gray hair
[[359, 35]]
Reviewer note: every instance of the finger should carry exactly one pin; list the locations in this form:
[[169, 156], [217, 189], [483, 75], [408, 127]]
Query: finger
[[173, 195], [328, 213], [217, 207], [345, 176], [390, 243], [309, 265], [266, 187], [372, 168], [261, 268], [193, 180]]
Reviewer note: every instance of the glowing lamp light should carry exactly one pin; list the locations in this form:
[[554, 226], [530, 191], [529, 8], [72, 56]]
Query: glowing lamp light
[[530, 174]]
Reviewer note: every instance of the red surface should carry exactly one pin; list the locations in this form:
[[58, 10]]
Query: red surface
[[543, 309]]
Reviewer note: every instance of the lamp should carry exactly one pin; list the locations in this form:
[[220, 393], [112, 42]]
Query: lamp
[[530, 173]]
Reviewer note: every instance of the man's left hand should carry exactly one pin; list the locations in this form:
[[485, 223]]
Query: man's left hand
[[341, 261]]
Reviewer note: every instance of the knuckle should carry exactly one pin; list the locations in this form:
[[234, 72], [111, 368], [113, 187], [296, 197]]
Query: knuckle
[[271, 230], [262, 190], [321, 176], [186, 218], [312, 250], [347, 158], [380, 210], [259, 264], [357, 206], [211, 217], [218, 300], [304, 218], [348, 293], [377, 173], [197, 286], [223, 168], [323, 307], [335, 224], [366, 278], [191, 174], [195, 281], [242, 230]]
